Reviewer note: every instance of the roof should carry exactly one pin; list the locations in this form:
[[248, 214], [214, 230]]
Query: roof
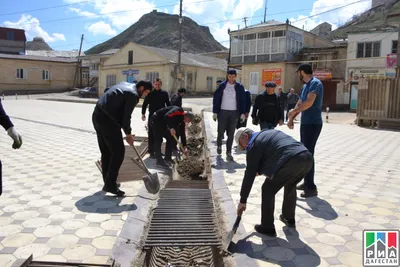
[[263, 24], [19, 34], [60, 54], [109, 52], [38, 58], [190, 59]]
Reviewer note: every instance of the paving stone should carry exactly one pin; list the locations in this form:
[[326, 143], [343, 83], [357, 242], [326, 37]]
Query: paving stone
[[8, 250], [279, 253], [79, 252]]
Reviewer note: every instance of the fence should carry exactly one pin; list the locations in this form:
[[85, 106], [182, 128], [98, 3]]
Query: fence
[[379, 103]]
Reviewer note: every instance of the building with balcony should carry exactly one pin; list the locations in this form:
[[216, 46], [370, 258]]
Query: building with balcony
[[12, 41], [267, 52]]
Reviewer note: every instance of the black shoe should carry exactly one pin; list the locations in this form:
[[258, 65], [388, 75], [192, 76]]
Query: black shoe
[[229, 156], [300, 187], [169, 161], [309, 193], [117, 192], [162, 164], [219, 150], [269, 232], [118, 184], [152, 156], [289, 223]]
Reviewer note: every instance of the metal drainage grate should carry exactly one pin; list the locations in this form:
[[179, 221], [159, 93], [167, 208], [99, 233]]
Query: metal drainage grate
[[184, 217], [31, 263]]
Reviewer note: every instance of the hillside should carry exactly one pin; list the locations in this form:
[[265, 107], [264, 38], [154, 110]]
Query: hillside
[[375, 18], [37, 44], [162, 30]]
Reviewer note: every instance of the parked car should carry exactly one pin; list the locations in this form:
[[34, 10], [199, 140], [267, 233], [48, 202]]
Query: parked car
[[89, 92]]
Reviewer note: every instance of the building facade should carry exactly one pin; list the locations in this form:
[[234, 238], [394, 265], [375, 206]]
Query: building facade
[[370, 55], [136, 62], [266, 53], [33, 74], [12, 41]]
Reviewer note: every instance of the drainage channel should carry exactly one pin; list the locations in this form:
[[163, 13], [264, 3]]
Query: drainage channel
[[182, 231]]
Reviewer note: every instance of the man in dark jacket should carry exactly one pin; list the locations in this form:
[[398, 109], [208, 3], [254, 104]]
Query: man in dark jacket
[[113, 111], [176, 99], [157, 99], [267, 110], [229, 105], [9, 127], [284, 162], [248, 107], [292, 100], [166, 123]]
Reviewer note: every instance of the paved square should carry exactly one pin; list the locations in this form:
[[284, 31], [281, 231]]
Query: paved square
[[358, 179]]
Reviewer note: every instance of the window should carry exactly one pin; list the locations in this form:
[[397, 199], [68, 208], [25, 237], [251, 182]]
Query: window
[[21, 74], [371, 49], [394, 46], [111, 80], [95, 66], [279, 33], [130, 57], [45, 75], [274, 46], [210, 85], [151, 76], [250, 36], [314, 64], [260, 46], [263, 35], [85, 75], [10, 36], [282, 44]]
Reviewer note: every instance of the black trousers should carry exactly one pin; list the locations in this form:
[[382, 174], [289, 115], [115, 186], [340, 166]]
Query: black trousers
[[288, 176], [160, 132], [241, 124], [309, 134], [150, 135], [289, 107], [227, 120], [112, 148]]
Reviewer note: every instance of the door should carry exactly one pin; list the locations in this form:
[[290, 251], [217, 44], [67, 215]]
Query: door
[[354, 95], [329, 99], [254, 82]]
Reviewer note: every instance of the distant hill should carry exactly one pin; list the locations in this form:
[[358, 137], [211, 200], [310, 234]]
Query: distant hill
[[162, 30], [37, 44], [374, 18]]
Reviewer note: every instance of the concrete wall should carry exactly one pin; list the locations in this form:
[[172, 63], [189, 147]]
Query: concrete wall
[[291, 79], [258, 68], [311, 40], [140, 55], [11, 46], [61, 75]]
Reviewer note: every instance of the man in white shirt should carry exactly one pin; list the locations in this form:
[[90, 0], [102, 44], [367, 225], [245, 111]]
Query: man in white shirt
[[229, 105]]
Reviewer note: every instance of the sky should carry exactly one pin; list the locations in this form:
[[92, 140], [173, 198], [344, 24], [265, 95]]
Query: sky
[[62, 22]]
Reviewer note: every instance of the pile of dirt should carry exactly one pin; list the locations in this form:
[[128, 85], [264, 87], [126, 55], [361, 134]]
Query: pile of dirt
[[195, 146], [194, 130], [197, 119], [191, 168]]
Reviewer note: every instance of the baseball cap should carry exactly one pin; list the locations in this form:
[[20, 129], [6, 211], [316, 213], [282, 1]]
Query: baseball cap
[[238, 134], [269, 84], [305, 67]]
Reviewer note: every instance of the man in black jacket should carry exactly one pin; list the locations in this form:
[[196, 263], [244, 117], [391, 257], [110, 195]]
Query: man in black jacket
[[267, 109], [166, 123], [9, 127], [176, 99], [241, 124], [284, 162], [113, 111], [157, 99]]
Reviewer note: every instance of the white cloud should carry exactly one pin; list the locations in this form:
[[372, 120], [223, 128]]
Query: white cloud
[[336, 18], [101, 28], [82, 13], [32, 28]]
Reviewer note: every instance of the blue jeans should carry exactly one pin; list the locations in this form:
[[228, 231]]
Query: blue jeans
[[309, 134], [266, 125]]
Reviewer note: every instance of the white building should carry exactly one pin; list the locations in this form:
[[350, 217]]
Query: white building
[[370, 54]]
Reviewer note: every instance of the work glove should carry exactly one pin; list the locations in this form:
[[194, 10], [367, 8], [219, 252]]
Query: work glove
[[242, 118], [16, 137], [215, 116]]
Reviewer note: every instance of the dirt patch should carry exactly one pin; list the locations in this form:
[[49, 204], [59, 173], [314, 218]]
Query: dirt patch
[[197, 119], [195, 146], [191, 168], [194, 130]]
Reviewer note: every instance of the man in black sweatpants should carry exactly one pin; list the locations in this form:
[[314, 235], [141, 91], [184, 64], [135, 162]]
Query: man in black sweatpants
[[157, 99], [165, 123], [284, 162], [9, 127], [113, 111]]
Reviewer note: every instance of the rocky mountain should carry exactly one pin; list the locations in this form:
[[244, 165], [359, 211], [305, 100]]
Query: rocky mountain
[[378, 17], [37, 44], [162, 30]]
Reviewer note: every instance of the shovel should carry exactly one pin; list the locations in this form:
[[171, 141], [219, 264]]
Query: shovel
[[180, 145], [150, 180], [228, 240]]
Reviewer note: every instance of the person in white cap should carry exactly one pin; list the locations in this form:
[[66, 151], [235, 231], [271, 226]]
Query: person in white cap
[[283, 161]]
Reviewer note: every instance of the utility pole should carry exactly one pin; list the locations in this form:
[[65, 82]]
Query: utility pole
[[265, 11], [229, 56], [79, 66], [179, 74], [245, 21]]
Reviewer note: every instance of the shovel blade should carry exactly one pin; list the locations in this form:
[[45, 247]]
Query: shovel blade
[[152, 183]]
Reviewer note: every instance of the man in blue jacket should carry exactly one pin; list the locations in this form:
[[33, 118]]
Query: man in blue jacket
[[283, 161], [229, 105], [248, 107]]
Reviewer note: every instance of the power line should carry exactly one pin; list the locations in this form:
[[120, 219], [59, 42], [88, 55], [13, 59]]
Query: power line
[[44, 8]]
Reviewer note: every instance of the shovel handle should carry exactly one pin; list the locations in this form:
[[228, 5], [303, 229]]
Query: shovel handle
[[180, 144]]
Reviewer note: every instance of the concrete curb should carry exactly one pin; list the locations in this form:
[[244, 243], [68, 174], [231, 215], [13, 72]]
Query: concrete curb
[[225, 199]]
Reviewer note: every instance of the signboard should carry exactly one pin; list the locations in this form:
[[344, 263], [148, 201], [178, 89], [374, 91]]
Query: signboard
[[323, 75], [355, 75], [130, 72], [271, 75], [391, 61]]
